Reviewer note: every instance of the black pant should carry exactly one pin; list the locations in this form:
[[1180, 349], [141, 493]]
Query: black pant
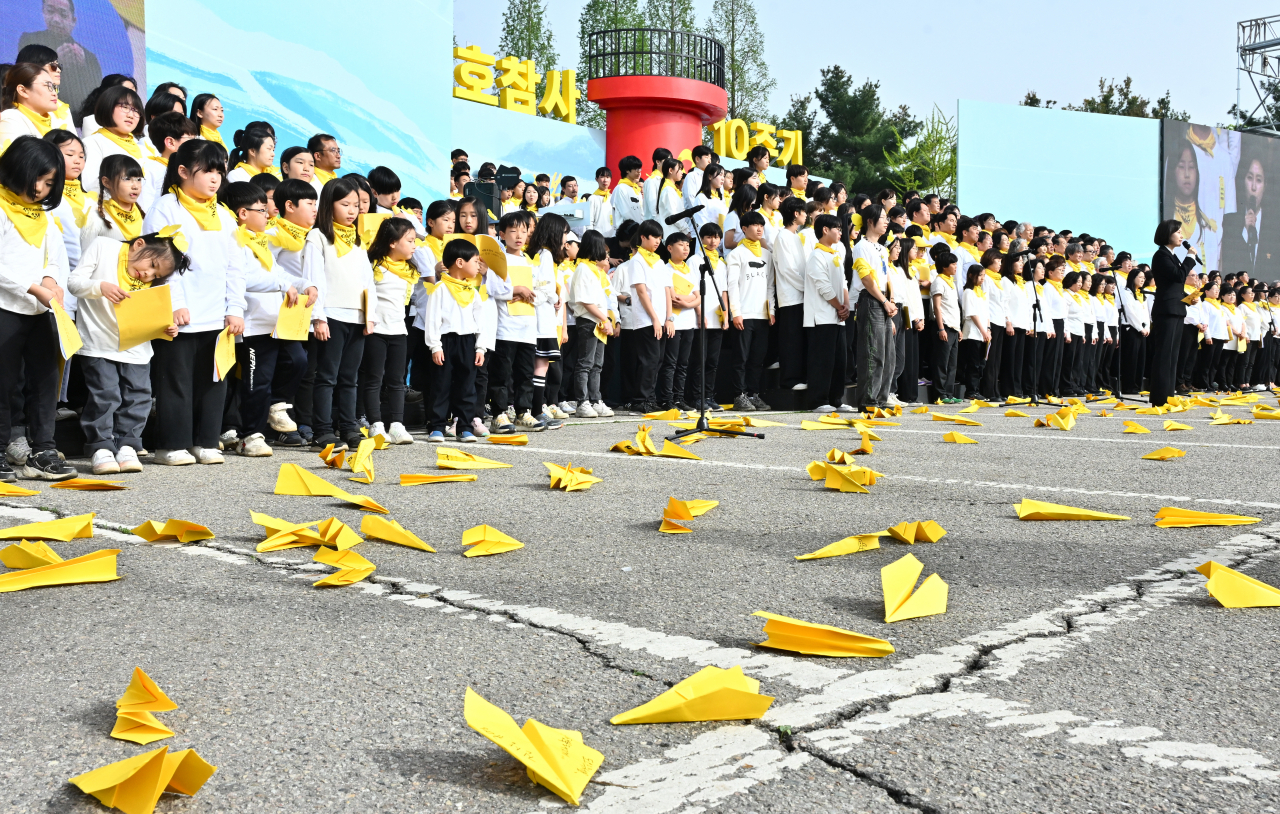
[[1011, 363], [419, 359], [1206, 364], [512, 361], [189, 402], [693, 389], [674, 372], [453, 384], [267, 365], [747, 349], [1069, 382], [973, 360], [1133, 359], [990, 385], [482, 383], [560, 376], [1051, 360], [304, 402], [1032, 362], [648, 351], [30, 342], [337, 379], [791, 355], [1226, 364], [628, 371], [1166, 331], [384, 365], [909, 365], [1088, 352], [944, 364], [826, 364], [1187, 354]]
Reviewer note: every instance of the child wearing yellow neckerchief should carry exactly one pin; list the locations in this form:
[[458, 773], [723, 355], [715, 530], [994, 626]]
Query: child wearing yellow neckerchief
[[595, 309], [454, 326], [753, 303], [166, 133], [396, 277], [673, 374], [117, 215]]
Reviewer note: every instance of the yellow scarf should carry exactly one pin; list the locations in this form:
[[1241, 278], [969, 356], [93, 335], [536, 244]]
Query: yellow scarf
[[994, 275], [30, 220], [972, 250], [74, 195], [799, 194], [753, 246], [249, 168], [127, 143], [436, 245], [948, 239], [257, 243], [1139, 296], [344, 239], [323, 176], [600, 275], [714, 259], [128, 221], [126, 280], [649, 257], [668, 184], [43, 123], [461, 291], [211, 134], [946, 278], [205, 212], [162, 161], [602, 193], [400, 268], [633, 185], [977, 290], [275, 173], [1206, 144], [289, 236], [1058, 285]]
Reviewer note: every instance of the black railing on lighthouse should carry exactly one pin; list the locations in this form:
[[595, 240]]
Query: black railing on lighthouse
[[655, 52]]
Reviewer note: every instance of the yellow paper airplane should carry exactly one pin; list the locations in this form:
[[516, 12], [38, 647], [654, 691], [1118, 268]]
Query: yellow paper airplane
[[333, 460], [180, 530], [99, 566], [643, 442], [362, 461], [835, 419], [570, 478], [921, 410], [294, 480], [1039, 510], [812, 639], [958, 438], [1173, 425], [1164, 454], [817, 470], [28, 555], [972, 408], [510, 440], [818, 425], [352, 567], [672, 527], [487, 540], [1016, 400], [1161, 410], [1134, 427], [922, 531], [1236, 590], [1016, 414], [384, 528], [849, 545], [623, 446], [711, 694], [336, 534], [1061, 422], [841, 479], [1226, 419], [670, 450], [274, 525], [448, 458], [943, 417], [296, 538], [1171, 517], [134, 785], [1265, 413], [89, 485], [554, 758], [751, 421], [13, 490], [64, 529], [897, 579], [688, 509], [418, 480], [664, 415], [134, 719]]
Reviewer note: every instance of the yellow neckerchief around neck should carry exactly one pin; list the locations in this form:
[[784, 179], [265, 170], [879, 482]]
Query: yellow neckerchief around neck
[[128, 221], [667, 183], [978, 292], [753, 246], [289, 236], [649, 257], [994, 275], [344, 239], [824, 247], [127, 143], [601, 275], [74, 195], [1057, 284], [637, 187], [30, 220], [400, 268], [205, 212], [972, 250], [948, 279], [436, 245], [948, 239], [713, 258], [461, 291], [799, 195], [257, 243], [1206, 144], [211, 134], [323, 176], [603, 193], [43, 123], [249, 168], [123, 278]]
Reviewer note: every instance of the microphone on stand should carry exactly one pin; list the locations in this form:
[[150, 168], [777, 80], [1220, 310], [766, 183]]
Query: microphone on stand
[[1186, 244], [672, 220]]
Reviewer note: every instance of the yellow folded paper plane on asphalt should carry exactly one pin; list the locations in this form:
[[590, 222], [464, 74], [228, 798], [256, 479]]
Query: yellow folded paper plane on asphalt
[[134, 719], [943, 417], [100, 566], [1134, 427], [294, 480], [26, 554], [65, 529], [664, 415], [841, 479], [1039, 510], [958, 438], [688, 509], [670, 526], [336, 534], [13, 490], [1164, 454], [921, 410], [670, 450], [1262, 411], [362, 461], [813, 639], [1233, 589], [351, 567], [181, 530], [419, 480], [819, 425], [897, 581], [333, 460], [751, 421], [921, 531], [711, 694], [849, 545], [448, 458], [1062, 422], [388, 530], [486, 540], [570, 478], [554, 758], [1016, 414], [510, 440], [1171, 517], [134, 785], [1174, 425], [89, 485]]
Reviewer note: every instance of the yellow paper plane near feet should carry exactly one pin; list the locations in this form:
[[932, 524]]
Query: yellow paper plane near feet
[[134, 719], [64, 529], [449, 458], [351, 567], [1016, 414], [362, 461], [1164, 454], [134, 785], [419, 480], [849, 545], [1171, 517], [100, 566], [958, 438], [1039, 510], [26, 554], [922, 531], [89, 485], [1134, 427], [13, 490], [812, 639], [510, 440], [897, 579], [180, 530], [384, 528], [294, 480], [570, 478], [1236, 590], [486, 540], [1174, 425], [332, 459], [711, 694], [554, 758]]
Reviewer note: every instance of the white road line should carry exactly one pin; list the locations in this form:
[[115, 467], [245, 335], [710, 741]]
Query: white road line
[[1058, 435]]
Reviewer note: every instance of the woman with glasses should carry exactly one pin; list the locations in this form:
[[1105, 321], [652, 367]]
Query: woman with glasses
[[28, 103], [119, 109]]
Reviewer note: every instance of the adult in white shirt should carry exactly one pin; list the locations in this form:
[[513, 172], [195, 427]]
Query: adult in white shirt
[[1052, 325], [35, 100], [628, 195], [874, 311], [1073, 354], [999, 322], [710, 197], [1015, 299], [789, 263], [120, 110], [670, 201], [702, 157], [600, 210]]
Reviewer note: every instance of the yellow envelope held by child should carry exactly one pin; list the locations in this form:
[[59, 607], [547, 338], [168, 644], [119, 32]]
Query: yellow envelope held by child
[[224, 355], [1039, 510], [897, 579], [711, 694], [134, 719], [1171, 517], [180, 530], [100, 566], [1236, 590], [485, 540], [812, 639], [849, 545], [520, 276], [26, 554], [294, 322], [384, 528], [145, 316], [554, 758], [134, 785], [69, 340], [64, 529]]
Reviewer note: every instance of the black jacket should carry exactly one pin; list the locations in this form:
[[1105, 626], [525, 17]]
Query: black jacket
[[1170, 276]]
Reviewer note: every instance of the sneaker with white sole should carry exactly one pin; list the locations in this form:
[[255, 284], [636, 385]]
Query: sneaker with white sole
[[845, 408], [528, 423], [478, 429], [397, 434], [585, 410], [174, 457], [47, 465], [467, 437], [278, 418], [502, 425], [800, 386], [104, 463], [567, 406], [825, 408], [228, 440], [435, 437], [205, 455], [602, 410], [744, 404], [18, 451], [377, 429], [554, 411], [255, 446], [127, 460], [550, 422]]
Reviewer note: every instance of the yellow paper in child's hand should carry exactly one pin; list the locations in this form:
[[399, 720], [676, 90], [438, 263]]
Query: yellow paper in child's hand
[[294, 321], [144, 316], [520, 276], [224, 355]]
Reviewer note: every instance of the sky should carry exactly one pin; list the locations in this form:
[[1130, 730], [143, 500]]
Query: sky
[[993, 55]]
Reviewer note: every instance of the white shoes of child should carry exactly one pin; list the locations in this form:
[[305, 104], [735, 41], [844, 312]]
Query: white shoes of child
[[204, 455], [104, 463], [127, 460], [255, 446], [174, 457], [378, 429], [603, 410], [278, 418], [397, 434], [585, 410]]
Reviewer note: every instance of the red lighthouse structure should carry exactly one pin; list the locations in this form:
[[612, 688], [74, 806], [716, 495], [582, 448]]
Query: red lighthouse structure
[[658, 88]]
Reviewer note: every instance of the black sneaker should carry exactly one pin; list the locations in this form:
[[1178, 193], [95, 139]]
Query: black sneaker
[[322, 441], [354, 441], [683, 405], [713, 406], [744, 404], [289, 439], [7, 475], [759, 403], [47, 466]]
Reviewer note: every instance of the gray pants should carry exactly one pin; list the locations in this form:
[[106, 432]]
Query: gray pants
[[118, 404], [876, 353], [586, 371]]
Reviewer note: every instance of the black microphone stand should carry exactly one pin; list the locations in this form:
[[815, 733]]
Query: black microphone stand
[[1037, 316]]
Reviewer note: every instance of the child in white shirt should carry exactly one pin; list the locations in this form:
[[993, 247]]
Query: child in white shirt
[[454, 329], [752, 304], [946, 312], [595, 311]]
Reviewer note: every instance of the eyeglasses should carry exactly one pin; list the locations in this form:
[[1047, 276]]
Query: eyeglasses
[[263, 211], [126, 106], [335, 150], [52, 88]]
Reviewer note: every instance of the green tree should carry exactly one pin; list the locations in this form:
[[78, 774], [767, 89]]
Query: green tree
[[1266, 109], [674, 15], [857, 133], [929, 163], [746, 72], [526, 34], [600, 15], [1117, 99]]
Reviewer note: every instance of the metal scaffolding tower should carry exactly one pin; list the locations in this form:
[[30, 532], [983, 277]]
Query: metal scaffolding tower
[[1258, 51]]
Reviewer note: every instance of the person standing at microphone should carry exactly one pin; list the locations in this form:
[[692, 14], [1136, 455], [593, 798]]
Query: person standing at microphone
[[1168, 309]]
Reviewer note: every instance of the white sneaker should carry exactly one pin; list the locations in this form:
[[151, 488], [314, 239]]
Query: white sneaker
[[845, 408], [128, 461], [104, 463], [555, 412], [602, 410], [826, 408], [397, 434], [255, 446], [801, 386], [206, 456], [174, 457], [228, 440], [567, 406], [278, 418], [585, 410], [893, 400], [378, 429], [774, 366], [18, 451]]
